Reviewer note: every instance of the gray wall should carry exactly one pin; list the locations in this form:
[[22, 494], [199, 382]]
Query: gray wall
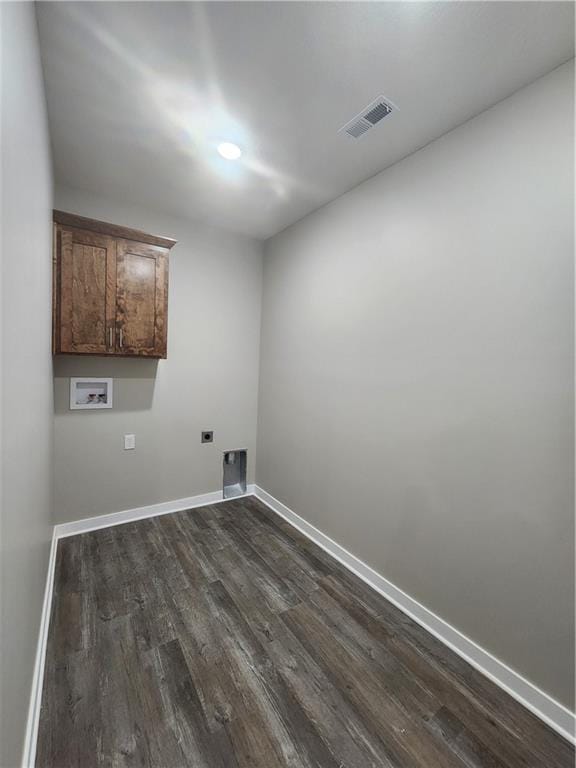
[[26, 429], [209, 381], [416, 377]]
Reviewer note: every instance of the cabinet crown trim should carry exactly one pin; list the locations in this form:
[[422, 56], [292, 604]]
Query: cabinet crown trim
[[114, 230]]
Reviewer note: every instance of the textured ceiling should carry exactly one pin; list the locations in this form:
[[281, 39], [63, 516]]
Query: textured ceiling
[[139, 94]]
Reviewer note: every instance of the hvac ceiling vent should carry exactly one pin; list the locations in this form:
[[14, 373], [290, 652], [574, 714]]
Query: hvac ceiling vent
[[369, 117]]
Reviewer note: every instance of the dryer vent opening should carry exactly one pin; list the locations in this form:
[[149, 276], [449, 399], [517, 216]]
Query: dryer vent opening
[[234, 473]]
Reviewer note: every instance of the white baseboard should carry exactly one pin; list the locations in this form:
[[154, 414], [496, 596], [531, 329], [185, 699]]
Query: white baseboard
[[30, 738], [541, 704], [154, 510], [546, 708]]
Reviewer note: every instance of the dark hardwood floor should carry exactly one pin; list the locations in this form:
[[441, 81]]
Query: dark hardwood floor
[[222, 638]]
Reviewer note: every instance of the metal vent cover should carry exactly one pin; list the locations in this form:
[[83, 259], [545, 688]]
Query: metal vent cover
[[370, 116]]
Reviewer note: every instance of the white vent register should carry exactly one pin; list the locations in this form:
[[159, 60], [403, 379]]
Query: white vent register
[[370, 116]]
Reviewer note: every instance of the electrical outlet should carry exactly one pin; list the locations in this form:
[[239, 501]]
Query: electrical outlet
[[129, 442], [207, 436]]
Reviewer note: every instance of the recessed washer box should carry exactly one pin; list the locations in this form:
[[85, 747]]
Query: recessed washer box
[[90, 393]]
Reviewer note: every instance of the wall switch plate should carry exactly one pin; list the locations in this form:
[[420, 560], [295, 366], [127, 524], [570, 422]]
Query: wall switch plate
[[129, 442], [207, 436]]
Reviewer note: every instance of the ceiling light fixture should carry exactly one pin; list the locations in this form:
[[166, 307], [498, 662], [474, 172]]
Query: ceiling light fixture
[[229, 151]]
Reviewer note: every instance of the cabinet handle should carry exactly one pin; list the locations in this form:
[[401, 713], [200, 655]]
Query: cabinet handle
[[110, 332], [120, 337]]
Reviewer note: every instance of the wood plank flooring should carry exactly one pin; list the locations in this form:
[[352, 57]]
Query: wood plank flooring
[[222, 638]]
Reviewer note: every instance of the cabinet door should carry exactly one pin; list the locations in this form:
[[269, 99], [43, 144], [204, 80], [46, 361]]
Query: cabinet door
[[87, 292], [142, 297]]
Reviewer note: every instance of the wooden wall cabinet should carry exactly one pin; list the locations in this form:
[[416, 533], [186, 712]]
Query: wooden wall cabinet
[[110, 289]]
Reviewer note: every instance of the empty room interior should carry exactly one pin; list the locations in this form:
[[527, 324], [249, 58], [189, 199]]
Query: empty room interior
[[287, 391]]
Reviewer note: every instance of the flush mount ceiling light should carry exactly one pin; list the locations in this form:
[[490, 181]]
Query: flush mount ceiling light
[[229, 151]]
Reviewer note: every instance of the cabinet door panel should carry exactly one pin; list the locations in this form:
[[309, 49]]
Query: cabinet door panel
[[141, 299], [87, 291]]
